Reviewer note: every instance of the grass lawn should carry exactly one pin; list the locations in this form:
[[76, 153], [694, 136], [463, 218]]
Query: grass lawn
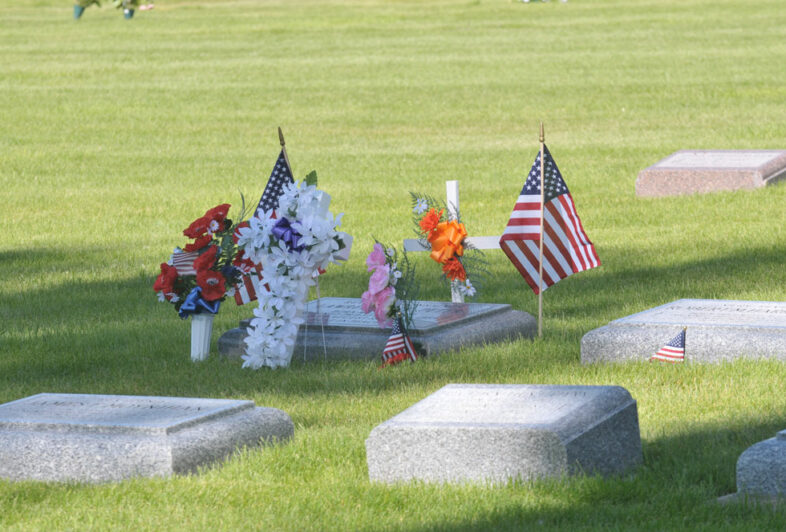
[[115, 134]]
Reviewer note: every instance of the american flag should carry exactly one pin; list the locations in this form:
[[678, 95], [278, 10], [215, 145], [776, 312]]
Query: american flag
[[280, 176], [249, 286], [399, 347], [673, 352], [566, 247], [184, 262]]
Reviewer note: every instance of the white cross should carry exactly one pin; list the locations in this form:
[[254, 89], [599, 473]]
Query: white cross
[[478, 242]]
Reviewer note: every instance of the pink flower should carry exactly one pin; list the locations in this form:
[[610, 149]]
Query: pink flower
[[376, 258], [367, 302], [379, 279], [383, 301]]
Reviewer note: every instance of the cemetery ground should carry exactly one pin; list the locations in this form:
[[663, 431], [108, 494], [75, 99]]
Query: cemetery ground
[[116, 134]]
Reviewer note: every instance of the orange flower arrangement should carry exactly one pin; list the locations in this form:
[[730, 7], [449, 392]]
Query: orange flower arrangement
[[445, 236]]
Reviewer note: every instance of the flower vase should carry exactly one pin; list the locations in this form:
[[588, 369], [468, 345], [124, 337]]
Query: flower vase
[[201, 330]]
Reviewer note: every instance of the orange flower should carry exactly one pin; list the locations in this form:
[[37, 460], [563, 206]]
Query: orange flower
[[446, 241], [429, 222], [454, 270]]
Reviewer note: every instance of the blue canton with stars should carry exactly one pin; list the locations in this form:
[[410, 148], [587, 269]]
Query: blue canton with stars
[[280, 176], [552, 179]]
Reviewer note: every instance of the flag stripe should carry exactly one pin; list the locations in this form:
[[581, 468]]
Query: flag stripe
[[566, 248]]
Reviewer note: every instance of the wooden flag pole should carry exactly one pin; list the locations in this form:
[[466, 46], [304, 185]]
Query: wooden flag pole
[[540, 261], [283, 147]]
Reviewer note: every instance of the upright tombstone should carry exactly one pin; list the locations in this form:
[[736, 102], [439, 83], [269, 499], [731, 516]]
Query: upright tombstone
[[493, 433], [761, 472], [701, 171], [717, 330], [437, 327], [106, 438]]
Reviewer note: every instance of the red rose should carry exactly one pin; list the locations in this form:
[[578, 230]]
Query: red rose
[[236, 234], [212, 284], [197, 229], [199, 243], [206, 260], [166, 281]]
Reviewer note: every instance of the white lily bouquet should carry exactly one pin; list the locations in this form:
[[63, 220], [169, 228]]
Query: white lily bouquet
[[293, 245]]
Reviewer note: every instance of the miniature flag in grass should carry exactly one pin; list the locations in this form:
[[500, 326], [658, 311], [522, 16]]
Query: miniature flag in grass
[[399, 347], [280, 176], [566, 247], [183, 262], [673, 352]]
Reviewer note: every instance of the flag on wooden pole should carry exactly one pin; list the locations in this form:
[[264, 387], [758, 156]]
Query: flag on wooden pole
[[566, 247], [399, 346], [673, 352]]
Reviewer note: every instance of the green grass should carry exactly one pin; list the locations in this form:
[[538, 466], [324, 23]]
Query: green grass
[[114, 135]]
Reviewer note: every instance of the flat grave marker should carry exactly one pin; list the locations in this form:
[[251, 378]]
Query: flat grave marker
[[491, 433], [438, 327], [105, 438], [701, 171], [717, 330]]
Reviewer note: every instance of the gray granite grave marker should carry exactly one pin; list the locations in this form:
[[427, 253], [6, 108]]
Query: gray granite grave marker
[[103, 438], [761, 472], [438, 327], [718, 330], [700, 171], [497, 432]]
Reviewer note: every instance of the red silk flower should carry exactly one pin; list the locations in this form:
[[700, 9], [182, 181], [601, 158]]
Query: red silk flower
[[166, 281], [206, 260], [199, 243], [212, 284]]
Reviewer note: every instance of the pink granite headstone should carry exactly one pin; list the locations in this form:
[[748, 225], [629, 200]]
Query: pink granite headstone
[[701, 171]]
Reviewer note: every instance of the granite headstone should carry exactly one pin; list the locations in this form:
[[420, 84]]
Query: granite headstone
[[492, 433], [105, 438], [761, 472], [700, 171], [717, 330], [350, 333]]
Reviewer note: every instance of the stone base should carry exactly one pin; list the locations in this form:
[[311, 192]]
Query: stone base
[[494, 433], [702, 171], [105, 438], [351, 334], [717, 331]]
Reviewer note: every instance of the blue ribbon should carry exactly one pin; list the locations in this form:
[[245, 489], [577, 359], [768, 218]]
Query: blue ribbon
[[284, 232], [196, 304]]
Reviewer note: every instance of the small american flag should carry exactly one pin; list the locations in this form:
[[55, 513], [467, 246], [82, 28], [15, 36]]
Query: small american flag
[[673, 352], [566, 247], [399, 347], [249, 286], [280, 176], [184, 262]]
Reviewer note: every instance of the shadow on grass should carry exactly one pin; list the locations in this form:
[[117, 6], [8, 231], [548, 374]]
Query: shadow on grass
[[113, 335]]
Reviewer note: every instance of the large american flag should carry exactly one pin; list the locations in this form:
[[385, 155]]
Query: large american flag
[[399, 347], [252, 282], [566, 248], [280, 176], [673, 352]]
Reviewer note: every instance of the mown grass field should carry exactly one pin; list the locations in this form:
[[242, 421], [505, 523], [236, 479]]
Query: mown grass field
[[115, 134]]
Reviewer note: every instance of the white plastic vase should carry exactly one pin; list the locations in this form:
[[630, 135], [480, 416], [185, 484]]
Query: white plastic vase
[[201, 330]]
